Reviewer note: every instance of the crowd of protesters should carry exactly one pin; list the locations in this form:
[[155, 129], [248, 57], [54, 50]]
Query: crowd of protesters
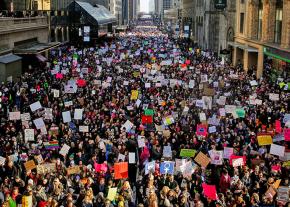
[[143, 120]]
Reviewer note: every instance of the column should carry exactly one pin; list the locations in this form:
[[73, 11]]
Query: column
[[269, 16], [235, 56], [67, 34], [253, 19], [246, 60], [62, 33], [285, 39], [56, 34], [260, 64]]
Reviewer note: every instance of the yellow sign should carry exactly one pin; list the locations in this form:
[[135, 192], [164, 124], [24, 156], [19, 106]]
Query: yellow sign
[[112, 194], [264, 140], [134, 95]]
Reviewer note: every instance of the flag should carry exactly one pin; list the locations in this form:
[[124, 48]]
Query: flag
[[149, 112], [167, 167], [51, 145], [121, 170]]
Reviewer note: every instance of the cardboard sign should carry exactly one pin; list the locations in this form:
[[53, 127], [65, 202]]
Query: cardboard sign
[[264, 140], [208, 92], [46, 168], [73, 170], [202, 159], [14, 115], [29, 165], [187, 153], [29, 135], [270, 193]]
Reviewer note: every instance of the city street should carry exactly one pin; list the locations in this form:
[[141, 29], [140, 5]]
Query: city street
[[142, 117]]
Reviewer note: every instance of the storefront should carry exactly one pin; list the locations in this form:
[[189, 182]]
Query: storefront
[[280, 59]]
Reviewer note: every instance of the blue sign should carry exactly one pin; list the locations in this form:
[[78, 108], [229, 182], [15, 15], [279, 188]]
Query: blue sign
[[167, 167]]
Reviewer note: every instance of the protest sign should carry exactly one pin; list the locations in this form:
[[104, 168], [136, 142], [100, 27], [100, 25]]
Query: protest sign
[[14, 115], [39, 123], [25, 117], [29, 135], [35, 106], [167, 151], [78, 114], [287, 134], [274, 96], [187, 152], [149, 167], [73, 170], [112, 193], [55, 93], [202, 159], [264, 140], [121, 170], [29, 165], [216, 157], [83, 128], [209, 191], [66, 116], [228, 152], [132, 158], [167, 167], [64, 150], [277, 150], [283, 193], [134, 95]]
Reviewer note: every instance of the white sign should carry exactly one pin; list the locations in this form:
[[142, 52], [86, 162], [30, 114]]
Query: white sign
[[39, 123], [64, 150], [277, 150], [132, 158], [84, 128], [66, 116], [25, 117], [274, 97], [14, 115], [78, 115], [55, 93], [29, 135], [35, 106]]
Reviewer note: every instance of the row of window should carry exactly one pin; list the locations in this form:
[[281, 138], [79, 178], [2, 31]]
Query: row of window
[[278, 21]]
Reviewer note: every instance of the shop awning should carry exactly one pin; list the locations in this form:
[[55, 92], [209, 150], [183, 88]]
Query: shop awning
[[41, 58], [35, 48], [99, 14], [9, 58]]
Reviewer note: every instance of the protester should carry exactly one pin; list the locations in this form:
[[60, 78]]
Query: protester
[[144, 120]]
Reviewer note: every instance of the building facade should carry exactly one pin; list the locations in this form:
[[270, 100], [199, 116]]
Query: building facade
[[116, 8], [214, 28], [262, 34]]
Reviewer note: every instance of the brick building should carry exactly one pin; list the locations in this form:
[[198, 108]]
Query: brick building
[[262, 34]]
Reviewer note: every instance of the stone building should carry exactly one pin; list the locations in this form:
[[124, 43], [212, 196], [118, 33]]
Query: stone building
[[262, 33], [211, 28]]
